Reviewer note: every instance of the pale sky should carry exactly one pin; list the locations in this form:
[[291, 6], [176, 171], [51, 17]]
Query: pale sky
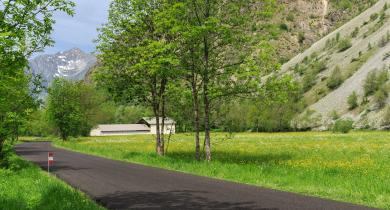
[[79, 30]]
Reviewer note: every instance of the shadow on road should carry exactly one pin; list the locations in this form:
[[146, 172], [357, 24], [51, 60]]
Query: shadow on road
[[169, 200]]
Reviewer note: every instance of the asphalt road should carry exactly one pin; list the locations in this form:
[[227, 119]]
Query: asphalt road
[[120, 185]]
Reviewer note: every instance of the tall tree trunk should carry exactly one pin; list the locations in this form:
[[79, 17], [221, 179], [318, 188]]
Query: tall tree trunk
[[195, 102], [159, 149], [161, 112], [207, 139], [1, 150], [196, 115], [206, 99], [162, 139], [156, 111]]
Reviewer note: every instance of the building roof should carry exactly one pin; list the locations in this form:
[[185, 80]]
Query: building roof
[[152, 121], [123, 127]]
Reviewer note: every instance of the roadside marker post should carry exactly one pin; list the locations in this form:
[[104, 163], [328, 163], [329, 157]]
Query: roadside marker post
[[50, 160]]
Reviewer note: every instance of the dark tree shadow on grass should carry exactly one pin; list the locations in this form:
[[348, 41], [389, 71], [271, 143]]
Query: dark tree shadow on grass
[[219, 156], [180, 200]]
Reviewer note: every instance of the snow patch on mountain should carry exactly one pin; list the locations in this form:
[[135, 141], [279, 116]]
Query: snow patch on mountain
[[73, 64]]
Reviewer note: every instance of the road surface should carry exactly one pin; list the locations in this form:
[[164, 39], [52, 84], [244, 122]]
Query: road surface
[[120, 185]]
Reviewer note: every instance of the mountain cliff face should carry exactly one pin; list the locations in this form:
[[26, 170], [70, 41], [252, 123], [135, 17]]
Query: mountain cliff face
[[73, 64], [346, 73], [303, 22]]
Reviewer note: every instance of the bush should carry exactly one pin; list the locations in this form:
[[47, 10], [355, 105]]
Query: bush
[[384, 40], [336, 79], [309, 80], [352, 101], [386, 117], [301, 37], [374, 82], [343, 126], [334, 115], [355, 32], [374, 16], [380, 97], [283, 27], [344, 45], [370, 84]]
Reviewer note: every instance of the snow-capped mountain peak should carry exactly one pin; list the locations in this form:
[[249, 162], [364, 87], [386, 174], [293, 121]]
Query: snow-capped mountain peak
[[73, 64]]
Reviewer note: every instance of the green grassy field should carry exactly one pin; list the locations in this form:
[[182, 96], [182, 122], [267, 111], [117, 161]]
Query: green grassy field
[[24, 186], [351, 167]]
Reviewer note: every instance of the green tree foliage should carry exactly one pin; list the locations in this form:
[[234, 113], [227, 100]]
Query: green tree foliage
[[272, 111], [281, 102], [38, 125], [375, 81], [381, 96], [138, 53], [342, 126], [352, 101], [220, 54], [335, 79], [130, 114], [72, 107], [344, 45], [355, 32], [148, 47], [370, 84], [25, 28]]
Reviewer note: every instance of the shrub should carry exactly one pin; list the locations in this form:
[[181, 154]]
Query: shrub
[[386, 117], [344, 45], [309, 80], [319, 66], [355, 32], [384, 40], [342, 126], [375, 81], [370, 84], [301, 37], [374, 16], [336, 79], [352, 101], [382, 77], [283, 27], [334, 115], [290, 17], [380, 97]]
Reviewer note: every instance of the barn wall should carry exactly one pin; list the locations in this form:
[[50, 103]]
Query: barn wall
[[167, 129]]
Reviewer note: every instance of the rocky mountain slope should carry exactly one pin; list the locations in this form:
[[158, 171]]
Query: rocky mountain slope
[[73, 64], [344, 65], [300, 23]]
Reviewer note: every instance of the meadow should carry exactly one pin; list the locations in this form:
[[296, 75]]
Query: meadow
[[24, 186], [352, 167]]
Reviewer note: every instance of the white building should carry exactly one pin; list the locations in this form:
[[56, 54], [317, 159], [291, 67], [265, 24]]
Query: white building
[[144, 126], [120, 130], [169, 125]]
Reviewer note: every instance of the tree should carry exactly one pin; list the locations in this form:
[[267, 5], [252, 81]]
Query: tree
[[381, 97], [219, 53], [336, 79], [138, 55], [71, 107], [25, 28], [352, 101]]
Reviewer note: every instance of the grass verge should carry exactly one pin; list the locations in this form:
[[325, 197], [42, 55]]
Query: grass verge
[[25, 186]]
